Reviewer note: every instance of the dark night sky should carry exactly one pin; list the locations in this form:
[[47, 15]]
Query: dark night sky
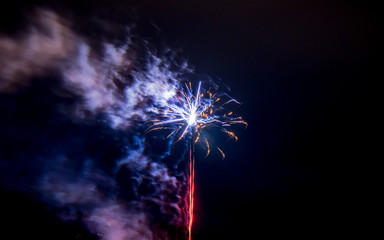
[[299, 170]]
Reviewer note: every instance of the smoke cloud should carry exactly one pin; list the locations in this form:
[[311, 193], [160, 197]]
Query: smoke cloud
[[73, 117]]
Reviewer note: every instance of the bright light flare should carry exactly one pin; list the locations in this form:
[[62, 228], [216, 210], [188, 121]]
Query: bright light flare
[[190, 112]]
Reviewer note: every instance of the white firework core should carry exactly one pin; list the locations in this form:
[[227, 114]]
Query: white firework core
[[196, 111]]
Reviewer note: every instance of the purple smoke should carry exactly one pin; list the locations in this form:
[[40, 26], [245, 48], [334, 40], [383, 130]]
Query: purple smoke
[[123, 195]]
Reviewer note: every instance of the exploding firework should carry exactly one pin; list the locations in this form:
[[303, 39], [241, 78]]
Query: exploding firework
[[189, 114], [193, 113]]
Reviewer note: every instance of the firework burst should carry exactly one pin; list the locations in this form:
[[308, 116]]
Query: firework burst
[[192, 113]]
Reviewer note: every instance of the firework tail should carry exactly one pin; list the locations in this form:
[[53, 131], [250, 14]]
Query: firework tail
[[191, 185]]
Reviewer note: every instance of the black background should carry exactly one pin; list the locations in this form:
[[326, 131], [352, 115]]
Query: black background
[[301, 70]]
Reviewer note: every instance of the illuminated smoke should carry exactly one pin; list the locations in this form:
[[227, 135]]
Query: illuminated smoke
[[99, 163]]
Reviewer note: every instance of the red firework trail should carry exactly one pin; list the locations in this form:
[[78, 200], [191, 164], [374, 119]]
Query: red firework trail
[[191, 189]]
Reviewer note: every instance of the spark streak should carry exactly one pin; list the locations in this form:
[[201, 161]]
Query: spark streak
[[191, 188], [190, 113]]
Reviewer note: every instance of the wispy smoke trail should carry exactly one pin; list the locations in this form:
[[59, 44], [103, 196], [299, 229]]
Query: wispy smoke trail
[[76, 113]]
